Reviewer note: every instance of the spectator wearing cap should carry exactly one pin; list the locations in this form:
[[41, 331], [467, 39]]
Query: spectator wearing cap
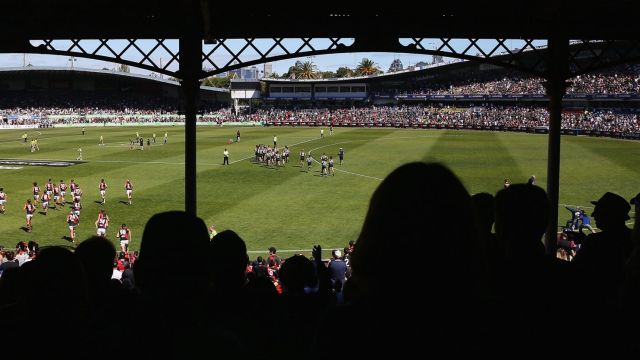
[[337, 269], [603, 255]]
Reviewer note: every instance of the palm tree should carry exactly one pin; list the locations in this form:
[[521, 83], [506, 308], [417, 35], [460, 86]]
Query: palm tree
[[305, 70], [367, 67]]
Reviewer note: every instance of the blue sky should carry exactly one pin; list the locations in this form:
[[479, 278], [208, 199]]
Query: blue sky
[[221, 56]]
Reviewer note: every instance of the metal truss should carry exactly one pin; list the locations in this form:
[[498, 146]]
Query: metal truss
[[587, 56], [524, 55], [252, 51], [222, 55], [130, 52]]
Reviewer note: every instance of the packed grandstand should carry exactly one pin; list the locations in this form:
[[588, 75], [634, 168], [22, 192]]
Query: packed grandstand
[[603, 104]]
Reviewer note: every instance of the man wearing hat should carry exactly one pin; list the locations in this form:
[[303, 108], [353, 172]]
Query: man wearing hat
[[602, 257]]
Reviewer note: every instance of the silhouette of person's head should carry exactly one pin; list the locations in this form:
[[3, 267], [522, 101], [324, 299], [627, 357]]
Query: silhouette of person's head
[[228, 260], [482, 205], [164, 233], [401, 210], [97, 255], [522, 214], [611, 210], [297, 273], [56, 280]]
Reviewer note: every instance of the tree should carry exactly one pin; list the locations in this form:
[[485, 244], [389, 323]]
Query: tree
[[218, 82], [290, 74], [367, 67], [328, 74], [123, 68], [305, 70], [343, 72]]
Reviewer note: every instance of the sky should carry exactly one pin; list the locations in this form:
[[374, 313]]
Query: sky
[[222, 56]]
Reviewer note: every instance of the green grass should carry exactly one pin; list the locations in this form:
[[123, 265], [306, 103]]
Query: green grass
[[289, 208]]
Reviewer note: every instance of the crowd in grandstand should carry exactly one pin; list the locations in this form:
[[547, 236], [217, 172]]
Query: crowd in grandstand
[[456, 287], [524, 117], [614, 81], [50, 109]]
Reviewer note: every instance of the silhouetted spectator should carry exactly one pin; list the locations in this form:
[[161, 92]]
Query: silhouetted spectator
[[172, 309], [52, 307], [601, 258], [386, 307], [108, 299], [522, 213], [301, 306], [490, 252]]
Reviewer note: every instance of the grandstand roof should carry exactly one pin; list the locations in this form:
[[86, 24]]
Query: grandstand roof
[[169, 19], [98, 72]]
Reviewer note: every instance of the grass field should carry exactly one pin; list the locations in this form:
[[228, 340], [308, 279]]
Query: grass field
[[288, 208]]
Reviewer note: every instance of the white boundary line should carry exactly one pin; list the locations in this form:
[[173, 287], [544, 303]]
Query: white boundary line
[[289, 251], [382, 139], [124, 145]]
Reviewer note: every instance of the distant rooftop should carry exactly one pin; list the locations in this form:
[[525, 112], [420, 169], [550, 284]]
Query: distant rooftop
[[105, 72]]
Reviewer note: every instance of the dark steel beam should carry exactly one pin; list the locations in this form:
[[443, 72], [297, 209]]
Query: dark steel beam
[[556, 85], [190, 73]]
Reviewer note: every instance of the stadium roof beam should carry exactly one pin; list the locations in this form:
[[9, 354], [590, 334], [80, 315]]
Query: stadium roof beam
[[215, 19], [374, 28]]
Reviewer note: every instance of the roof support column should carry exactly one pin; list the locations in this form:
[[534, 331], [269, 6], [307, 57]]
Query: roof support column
[[190, 71], [557, 73]]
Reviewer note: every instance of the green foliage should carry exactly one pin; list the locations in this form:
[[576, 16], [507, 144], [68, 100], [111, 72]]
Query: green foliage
[[343, 72], [219, 82], [302, 70], [367, 67], [328, 75]]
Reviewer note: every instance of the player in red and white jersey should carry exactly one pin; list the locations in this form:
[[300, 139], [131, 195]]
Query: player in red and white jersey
[[124, 234], [63, 192], [128, 187], [103, 190], [3, 200], [56, 196], [36, 193], [102, 223], [49, 188], [73, 186], [76, 207], [31, 209], [45, 202], [73, 220], [77, 194]]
